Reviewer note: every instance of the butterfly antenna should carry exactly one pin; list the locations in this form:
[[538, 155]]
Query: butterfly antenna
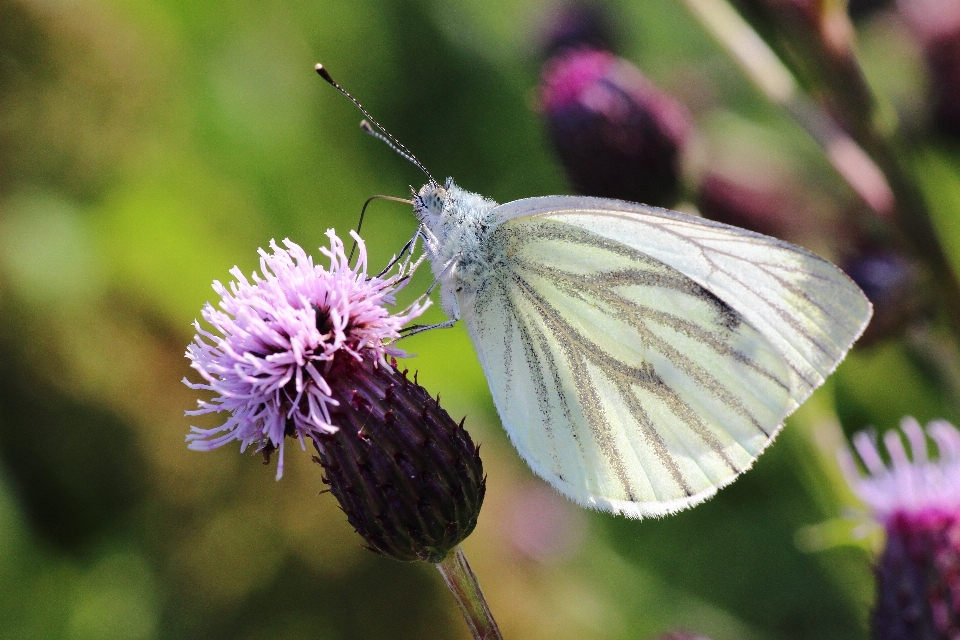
[[386, 136]]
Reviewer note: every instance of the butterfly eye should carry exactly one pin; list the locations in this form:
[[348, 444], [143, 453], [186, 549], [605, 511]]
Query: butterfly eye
[[433, 201]]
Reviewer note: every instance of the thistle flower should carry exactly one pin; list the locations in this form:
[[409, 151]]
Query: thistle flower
[[616, 134], [280, 334], [918, 503], [302, 352]]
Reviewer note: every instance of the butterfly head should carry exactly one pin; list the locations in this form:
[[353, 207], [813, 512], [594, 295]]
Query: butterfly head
[[428, 203]]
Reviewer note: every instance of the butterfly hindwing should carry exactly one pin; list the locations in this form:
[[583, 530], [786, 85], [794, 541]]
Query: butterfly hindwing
[[621, 380]]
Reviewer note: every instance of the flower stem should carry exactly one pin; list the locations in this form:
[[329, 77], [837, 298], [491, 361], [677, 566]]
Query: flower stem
[[463, 584]]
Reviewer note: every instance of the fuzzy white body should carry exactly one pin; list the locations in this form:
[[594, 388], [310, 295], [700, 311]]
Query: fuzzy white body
[[639, 358], [457, 223]]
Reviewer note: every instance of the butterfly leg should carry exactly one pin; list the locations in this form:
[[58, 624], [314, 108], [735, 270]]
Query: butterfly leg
[[407, 249], [413, 330], [447, 268]]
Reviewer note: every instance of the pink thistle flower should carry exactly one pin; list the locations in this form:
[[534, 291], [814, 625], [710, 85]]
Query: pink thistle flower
[[914, 488], [277, 337], [917, 501]]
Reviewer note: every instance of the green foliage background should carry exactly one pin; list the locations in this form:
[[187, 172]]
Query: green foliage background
[[147, 147]]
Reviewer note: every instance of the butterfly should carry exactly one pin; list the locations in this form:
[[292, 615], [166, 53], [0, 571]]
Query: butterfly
[[639, 358]]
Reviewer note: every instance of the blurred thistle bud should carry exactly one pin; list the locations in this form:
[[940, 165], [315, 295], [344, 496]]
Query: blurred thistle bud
[[748, 188], [682, 635], [917, 501], [408, 476], [280, 336], [936, 25], [890, 281], [615, 133], [578, 25]]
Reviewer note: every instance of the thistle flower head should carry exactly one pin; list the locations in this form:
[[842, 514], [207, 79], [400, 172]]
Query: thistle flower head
[[918, 503], [276, 337], [914, 487]]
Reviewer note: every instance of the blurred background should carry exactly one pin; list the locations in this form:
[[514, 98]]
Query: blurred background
[[147, 147]]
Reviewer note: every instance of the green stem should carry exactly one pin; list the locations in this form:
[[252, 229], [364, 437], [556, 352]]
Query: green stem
[[463, 584]]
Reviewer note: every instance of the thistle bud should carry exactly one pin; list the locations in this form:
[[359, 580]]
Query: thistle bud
[[615, 133], [408, 477], [890, 281], [936, 25], [578, 25], [917, 501], [761, 205]]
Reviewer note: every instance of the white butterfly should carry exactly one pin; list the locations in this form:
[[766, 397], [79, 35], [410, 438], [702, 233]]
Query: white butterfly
[[640, 358]]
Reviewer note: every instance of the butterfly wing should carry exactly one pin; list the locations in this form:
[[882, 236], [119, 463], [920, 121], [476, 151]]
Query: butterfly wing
[[641, 358]]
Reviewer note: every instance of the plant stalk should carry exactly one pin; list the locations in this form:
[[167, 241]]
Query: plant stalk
[[465, 588]]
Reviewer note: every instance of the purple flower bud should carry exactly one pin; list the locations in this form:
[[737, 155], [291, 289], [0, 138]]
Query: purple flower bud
[[616, 134], [408, 477], [936, 24], [918, 503], [890, 282], [579, 25], [761, 205]]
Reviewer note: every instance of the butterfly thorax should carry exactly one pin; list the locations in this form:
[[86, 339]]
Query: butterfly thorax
[[456, 224]]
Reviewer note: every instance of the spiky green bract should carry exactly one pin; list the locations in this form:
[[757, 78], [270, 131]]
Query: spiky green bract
[[408, 477]]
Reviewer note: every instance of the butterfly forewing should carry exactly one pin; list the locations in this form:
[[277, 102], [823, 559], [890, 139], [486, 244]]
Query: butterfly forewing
[[809, 310], [621, 380]]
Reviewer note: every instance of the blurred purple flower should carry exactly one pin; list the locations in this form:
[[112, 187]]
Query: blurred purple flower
[[936, 24], [762, 203], [918, 503], [890, 281], [539, 524], [277, 338], [578, 25], [616, 134]]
